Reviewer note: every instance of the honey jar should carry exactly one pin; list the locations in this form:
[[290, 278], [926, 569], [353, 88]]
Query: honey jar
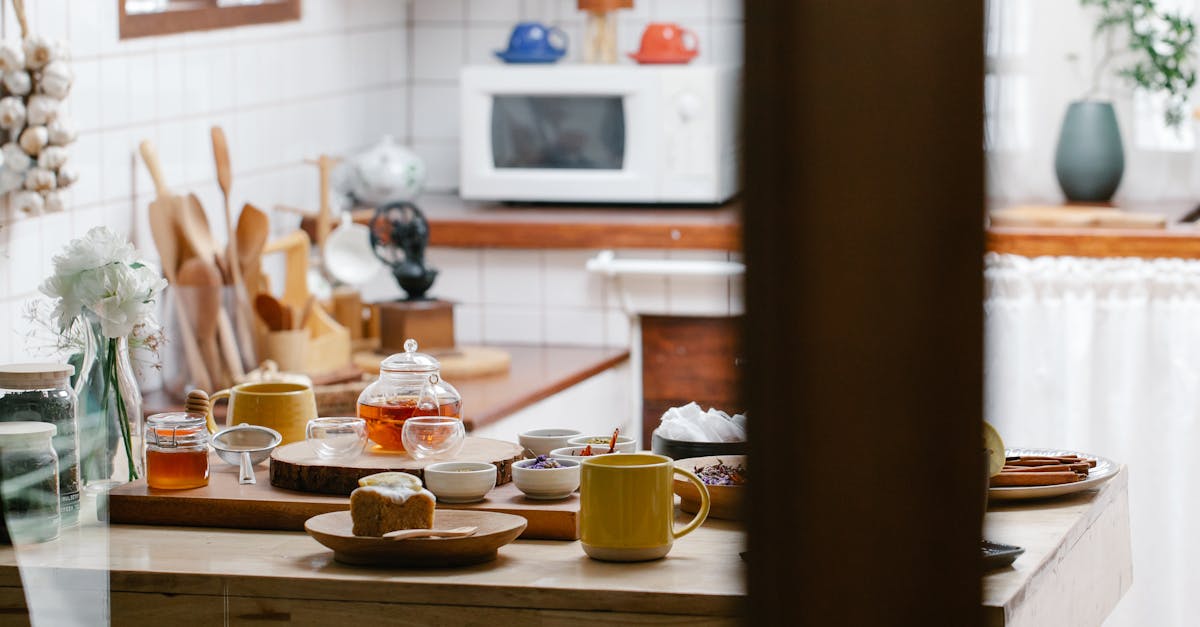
[[176, 451]]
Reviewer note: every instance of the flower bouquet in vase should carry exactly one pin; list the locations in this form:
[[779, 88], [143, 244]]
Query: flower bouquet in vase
[[104, 301]]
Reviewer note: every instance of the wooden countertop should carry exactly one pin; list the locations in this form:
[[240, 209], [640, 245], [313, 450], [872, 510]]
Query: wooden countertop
[[161, 572], [537, 372], [1077, 562], [457, 223], [1177, 240]]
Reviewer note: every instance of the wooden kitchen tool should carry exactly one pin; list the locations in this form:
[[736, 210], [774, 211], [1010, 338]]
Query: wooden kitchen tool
[[334, 530], [166, 239], [329, 342], [225, 504], [206, 284], [253, 230], [404, 534], [242, 314], [463, 362], [1076, 216], [270, 310], [296, 467]]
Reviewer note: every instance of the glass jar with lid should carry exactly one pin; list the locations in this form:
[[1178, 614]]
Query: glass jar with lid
[[41, 392], [28, 483], [176, 451], [410, 384]]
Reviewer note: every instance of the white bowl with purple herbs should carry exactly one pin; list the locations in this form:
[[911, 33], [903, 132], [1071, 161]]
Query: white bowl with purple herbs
[[545, 478]]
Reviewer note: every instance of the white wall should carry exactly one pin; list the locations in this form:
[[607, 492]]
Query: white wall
[[446, 34], [333, 81]]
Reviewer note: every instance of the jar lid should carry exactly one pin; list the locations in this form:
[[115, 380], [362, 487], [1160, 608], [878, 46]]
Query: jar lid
[[34, 376], [25, 432], [165, 429], [410, 360]]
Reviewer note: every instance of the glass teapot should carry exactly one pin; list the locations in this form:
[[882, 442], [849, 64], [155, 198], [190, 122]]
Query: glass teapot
[[409, 384]]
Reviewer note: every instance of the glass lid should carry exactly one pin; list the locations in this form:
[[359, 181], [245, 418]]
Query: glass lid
[[410, 360]]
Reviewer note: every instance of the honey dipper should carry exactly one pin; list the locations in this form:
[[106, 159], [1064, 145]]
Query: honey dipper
[[197, 402]]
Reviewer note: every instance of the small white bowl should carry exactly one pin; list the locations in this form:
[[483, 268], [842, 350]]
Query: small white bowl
[[460, 482], [542, 441], [624, 444], [547, 484], [572, 453]]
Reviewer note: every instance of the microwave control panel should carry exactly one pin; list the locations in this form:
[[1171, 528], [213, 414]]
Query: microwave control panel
[[698, 126]]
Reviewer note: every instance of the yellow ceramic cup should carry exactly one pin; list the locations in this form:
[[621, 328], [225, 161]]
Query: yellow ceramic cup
[[627, 512], [284, 407]]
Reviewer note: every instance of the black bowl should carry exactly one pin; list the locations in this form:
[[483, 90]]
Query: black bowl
[[682, 449]]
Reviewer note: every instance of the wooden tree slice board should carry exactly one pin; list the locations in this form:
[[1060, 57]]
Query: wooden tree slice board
[[225, 504], [463, 362], [295, 467]]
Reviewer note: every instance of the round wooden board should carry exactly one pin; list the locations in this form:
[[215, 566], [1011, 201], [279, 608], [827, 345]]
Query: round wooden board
[[463, 362], [725, 501], [295, 467]]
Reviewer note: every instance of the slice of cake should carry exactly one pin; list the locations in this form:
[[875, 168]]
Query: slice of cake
[[389, 501]]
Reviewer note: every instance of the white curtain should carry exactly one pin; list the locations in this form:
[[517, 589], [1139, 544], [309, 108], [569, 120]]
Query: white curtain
[[1103, 356]]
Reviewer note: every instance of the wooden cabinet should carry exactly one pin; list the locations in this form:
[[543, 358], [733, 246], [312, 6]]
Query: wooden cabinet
[[689, 359]]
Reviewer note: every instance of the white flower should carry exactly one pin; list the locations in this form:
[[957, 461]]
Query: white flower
[[12, 113], [18, 82], [62, 132], [66, 177], [38, 52], [97, 273], [40, 180], [12, 58], [11, 180], [56, 80], [15, 158], [28, 202], [52, 157], [41, 110], [34, 139], [54, 202]]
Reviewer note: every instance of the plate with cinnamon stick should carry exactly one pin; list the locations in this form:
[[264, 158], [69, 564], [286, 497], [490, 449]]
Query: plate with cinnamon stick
[[1034, 473]]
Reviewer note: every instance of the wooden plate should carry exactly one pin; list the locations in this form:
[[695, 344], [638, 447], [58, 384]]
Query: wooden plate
[[334, 530], [1105, 469], [725, 501]]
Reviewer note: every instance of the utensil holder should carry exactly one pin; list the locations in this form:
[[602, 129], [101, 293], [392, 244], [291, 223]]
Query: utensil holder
[[288, 349]]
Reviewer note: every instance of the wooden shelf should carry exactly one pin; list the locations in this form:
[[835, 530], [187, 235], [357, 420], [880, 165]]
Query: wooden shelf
[[1181, 243], [457, 223]]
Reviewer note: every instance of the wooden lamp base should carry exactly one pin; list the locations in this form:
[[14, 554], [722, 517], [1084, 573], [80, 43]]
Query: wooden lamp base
[[429, 322]]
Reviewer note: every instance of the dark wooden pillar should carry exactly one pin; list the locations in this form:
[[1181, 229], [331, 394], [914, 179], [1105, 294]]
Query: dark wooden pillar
[[863, 220]]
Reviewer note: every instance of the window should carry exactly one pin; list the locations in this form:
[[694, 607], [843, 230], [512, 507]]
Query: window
[[143, 18]]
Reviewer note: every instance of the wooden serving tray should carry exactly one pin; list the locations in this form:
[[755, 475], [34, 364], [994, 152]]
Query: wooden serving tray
[[225, 504]]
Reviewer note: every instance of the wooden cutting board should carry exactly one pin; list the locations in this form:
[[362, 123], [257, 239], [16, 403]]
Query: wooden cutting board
[[295, 467], [1077, 216], [225, 504], [462, 362]]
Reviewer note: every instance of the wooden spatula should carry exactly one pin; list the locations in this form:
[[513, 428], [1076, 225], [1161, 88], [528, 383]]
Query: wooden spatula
[[207, 308], [457, 532], [271, 311], [166, 239]]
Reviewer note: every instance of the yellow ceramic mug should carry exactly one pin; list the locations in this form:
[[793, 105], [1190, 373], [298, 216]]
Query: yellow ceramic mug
[[284, 407], [627, 512]]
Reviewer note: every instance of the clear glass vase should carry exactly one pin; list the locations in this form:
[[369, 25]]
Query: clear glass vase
[[110, 409]]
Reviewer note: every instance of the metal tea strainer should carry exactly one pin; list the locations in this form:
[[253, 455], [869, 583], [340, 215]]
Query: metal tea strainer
[[244, 446]]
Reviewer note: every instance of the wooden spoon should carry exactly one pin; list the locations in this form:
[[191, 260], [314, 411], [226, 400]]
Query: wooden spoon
[[270, 310], [196, 273], [242, 313], [253, 229], [457, 532], [166, 239]]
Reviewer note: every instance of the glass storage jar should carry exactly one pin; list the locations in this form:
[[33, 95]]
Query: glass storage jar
[[409, 384], [28, 483], [176, 451], [41, 392]]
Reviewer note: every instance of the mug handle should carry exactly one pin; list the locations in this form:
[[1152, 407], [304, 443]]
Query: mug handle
[[554, 30], [702, 513], [690, 34], [212, 404]]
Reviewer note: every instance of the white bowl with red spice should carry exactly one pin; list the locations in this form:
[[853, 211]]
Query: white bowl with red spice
[[600, 443], [545, 478], [575, 453]]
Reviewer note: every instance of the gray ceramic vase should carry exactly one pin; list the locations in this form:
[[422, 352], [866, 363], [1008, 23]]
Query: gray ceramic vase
[[1089, 160]]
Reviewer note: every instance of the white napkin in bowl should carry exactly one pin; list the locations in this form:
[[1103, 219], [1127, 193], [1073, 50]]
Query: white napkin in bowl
[[692, 424]]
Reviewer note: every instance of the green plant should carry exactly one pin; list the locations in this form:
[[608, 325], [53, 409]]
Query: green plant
[[1159, 49]]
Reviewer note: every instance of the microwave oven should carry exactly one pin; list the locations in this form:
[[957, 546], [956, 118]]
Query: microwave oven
[[599, 133]]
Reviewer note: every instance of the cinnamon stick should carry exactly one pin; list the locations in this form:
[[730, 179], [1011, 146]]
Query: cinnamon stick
[[1009, 479]]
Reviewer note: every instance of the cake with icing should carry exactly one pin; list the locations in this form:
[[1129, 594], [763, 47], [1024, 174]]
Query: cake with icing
[[389, 501]]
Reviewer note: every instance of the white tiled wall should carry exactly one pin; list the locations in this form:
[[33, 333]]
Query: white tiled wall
[[446, 34], [332, 82], [549, 297]]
